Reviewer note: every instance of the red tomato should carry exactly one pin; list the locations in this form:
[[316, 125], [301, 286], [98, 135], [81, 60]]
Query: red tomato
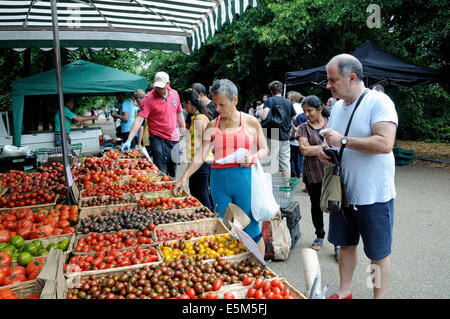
[[251, 293], [217, 284], [7, 294], [14, 279], [5, 259], [258, 283], [228, 295], [259, 294], [212, 295], [2, 278], [266, 286], [190, 292], [18, 270], [247, 281]]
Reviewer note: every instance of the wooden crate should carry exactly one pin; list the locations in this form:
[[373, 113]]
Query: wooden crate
[[213, 226]]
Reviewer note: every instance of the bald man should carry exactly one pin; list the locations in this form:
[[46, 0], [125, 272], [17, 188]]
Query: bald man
[[368, 169]]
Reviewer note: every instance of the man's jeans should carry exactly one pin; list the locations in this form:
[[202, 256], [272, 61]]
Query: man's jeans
[[166, 154]]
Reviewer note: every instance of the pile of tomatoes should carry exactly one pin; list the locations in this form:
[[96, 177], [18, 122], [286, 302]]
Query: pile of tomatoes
[[169, 203], [163, 235], [120, 189], [117, 240], [30, 224], [15, 274], [112, 259], [10, 294], [178, 279], [107, 200], [265, 289], [36, 188]]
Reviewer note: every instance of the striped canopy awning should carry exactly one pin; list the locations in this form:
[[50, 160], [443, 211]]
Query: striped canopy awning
[[168, 25]]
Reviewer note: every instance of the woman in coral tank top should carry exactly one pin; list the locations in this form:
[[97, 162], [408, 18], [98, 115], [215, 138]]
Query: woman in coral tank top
[[230, 131]]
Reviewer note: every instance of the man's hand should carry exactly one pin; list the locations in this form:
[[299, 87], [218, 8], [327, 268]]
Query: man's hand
[[333, 138], [126, 146], [95, 117], [179, 187], [324, 158]]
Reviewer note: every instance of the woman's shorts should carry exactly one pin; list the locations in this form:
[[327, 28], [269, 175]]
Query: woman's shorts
[[233, 185]]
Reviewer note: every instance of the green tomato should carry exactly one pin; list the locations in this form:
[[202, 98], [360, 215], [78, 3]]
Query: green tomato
[[3, 245], [64, 244], [24, 258], [42, 252], [30, 248], [52, 245], [17, 241], [38, 244]]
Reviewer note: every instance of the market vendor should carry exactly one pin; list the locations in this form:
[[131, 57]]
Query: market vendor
[[230, 131], [69, 104], [127, 115]]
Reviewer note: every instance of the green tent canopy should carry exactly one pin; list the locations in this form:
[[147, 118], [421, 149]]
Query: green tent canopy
[[78, 77]]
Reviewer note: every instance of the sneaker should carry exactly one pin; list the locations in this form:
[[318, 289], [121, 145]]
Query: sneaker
[[336, 296]]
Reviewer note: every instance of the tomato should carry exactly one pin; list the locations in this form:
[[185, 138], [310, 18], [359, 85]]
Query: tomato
[[266, 286], [5, 259], [64, 223], [184, 296], [3, 277], [251, 293], [217, 284], [68, 230], [228, 295], [259, 294], [40, 215], [258, 283], [247, 281], [24, 232], [190, 292], [4, 270], [4, 236], [18, 270], [13, 279], [212, 295], [34, 275], [35, 265], [7, 294]]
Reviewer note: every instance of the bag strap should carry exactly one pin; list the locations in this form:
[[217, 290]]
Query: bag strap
[[317, 133], [350, 120]]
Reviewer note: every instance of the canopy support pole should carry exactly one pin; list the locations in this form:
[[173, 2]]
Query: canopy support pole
[[68, 181]]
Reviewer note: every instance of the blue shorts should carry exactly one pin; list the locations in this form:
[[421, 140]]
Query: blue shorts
[[234, 185], [373, 222]]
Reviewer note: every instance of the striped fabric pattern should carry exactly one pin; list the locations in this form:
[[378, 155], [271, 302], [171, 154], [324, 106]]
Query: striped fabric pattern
[[169, 25]]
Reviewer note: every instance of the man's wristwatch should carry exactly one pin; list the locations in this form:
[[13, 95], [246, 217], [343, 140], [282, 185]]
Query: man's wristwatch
[[344, 140]]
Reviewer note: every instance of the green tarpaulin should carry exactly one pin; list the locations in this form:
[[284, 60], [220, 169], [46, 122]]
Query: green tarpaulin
[[78, 77]]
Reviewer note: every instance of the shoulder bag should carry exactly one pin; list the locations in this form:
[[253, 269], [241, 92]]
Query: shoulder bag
[[333, 195]]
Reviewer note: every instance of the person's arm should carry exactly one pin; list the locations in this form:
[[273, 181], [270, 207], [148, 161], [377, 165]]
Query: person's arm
[[140, 134], [264, 113], [207, 146], [307, 149], [380, 142], [85, 118], [181, 122], [135, 127], [124, 117]]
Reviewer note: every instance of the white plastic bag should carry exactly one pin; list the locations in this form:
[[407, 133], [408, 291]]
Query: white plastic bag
[[12, 151], [281, 241], [264, 206]]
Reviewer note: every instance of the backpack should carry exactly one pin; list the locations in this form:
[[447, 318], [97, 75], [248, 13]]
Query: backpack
[[277, 117]]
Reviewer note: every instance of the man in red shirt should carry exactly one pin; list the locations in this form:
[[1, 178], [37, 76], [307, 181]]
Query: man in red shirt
[[162, 109]]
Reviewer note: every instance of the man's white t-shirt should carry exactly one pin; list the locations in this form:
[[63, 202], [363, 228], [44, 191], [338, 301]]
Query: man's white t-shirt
[[299, 110], [369, 178]]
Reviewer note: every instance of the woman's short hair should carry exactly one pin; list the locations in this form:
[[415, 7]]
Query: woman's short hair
[[222, 86]]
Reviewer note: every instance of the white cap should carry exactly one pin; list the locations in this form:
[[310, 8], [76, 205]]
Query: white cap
[[161, 79]]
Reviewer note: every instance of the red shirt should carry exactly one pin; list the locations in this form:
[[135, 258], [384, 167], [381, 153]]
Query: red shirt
[[162, 115], [229, 141]]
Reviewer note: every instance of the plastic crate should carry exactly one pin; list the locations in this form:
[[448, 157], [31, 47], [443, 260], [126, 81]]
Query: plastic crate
[[283, 188], [50, 155]]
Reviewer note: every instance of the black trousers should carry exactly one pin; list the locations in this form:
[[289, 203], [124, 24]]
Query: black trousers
[[314, 190]]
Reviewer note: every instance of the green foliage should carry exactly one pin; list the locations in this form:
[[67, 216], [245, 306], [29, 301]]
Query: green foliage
[[286, 35]]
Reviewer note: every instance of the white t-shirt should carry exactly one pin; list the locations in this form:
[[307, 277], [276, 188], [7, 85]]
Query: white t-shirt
[[299, 110], [369, 178]]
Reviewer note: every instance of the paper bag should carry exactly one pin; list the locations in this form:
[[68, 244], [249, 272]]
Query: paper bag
[[277, 238], [237, 216]]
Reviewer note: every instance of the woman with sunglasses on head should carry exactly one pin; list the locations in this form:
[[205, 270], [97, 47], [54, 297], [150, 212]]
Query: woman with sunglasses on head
[[201, 115]]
